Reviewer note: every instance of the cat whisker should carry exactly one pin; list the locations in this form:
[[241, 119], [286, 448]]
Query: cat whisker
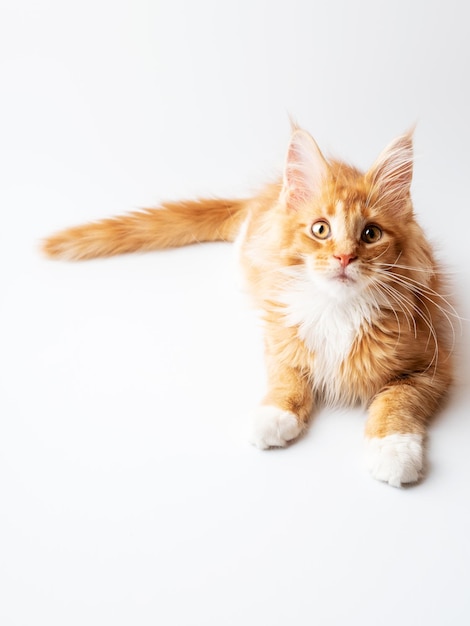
[[422, 299], [406, 302], [372, 293], [421, 290], [421, 286], [406, 267], [373, 260], [423, 270], [402, 303]]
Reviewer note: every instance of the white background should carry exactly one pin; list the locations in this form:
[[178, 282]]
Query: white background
[[128, 493]]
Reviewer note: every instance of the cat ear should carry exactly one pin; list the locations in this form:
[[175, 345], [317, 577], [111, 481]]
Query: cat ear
[[305, 169], [391, 174]]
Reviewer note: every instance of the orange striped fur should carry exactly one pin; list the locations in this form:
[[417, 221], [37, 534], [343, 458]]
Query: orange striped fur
[[348, 285], [174, 224]]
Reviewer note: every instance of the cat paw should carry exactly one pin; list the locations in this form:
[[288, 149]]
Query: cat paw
[[273, 428], [396, 459]]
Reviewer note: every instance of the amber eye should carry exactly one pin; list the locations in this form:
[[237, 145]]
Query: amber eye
[[371, 233], [321, 229]]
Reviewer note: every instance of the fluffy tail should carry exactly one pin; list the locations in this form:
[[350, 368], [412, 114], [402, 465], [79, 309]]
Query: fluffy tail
[[171, 225]]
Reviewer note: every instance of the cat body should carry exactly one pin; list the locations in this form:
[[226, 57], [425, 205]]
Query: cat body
[[347, 285]]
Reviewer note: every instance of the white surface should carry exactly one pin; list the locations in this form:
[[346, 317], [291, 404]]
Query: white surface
[[128, 493]]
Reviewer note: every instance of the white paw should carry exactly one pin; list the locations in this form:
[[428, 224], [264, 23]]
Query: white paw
[[395, 459], [272, 427]]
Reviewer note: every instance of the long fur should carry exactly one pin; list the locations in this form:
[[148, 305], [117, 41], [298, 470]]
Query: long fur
[[348, 319], [169, 226]]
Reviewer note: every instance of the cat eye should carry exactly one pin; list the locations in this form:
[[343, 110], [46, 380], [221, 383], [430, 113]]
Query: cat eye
[[321, 229], [371, 233]]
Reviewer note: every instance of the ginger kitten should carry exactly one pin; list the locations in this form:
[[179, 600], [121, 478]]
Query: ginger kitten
[[347, 284]]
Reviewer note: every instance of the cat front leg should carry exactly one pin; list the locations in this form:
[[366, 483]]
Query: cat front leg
[[272, 427], [285, 410], [396, 427]]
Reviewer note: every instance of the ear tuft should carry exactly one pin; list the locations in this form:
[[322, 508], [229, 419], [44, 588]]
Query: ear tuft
[[305, 169], [392, 173]]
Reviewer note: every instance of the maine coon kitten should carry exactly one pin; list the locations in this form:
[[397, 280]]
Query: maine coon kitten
[[348, 287]]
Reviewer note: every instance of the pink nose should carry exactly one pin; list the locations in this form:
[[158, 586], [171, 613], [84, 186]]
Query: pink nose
[[345, 259]]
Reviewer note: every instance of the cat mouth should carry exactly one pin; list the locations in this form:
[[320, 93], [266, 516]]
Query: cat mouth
[[344, 278]]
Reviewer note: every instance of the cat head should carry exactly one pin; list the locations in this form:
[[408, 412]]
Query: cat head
[[347, 226]]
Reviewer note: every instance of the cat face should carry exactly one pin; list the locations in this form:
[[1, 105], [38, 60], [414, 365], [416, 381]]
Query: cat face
[[347, 226]]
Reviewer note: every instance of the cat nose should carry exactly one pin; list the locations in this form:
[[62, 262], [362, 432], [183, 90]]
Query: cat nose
[[345, 259]]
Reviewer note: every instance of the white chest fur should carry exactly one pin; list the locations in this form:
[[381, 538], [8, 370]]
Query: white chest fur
[[328, 322]]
